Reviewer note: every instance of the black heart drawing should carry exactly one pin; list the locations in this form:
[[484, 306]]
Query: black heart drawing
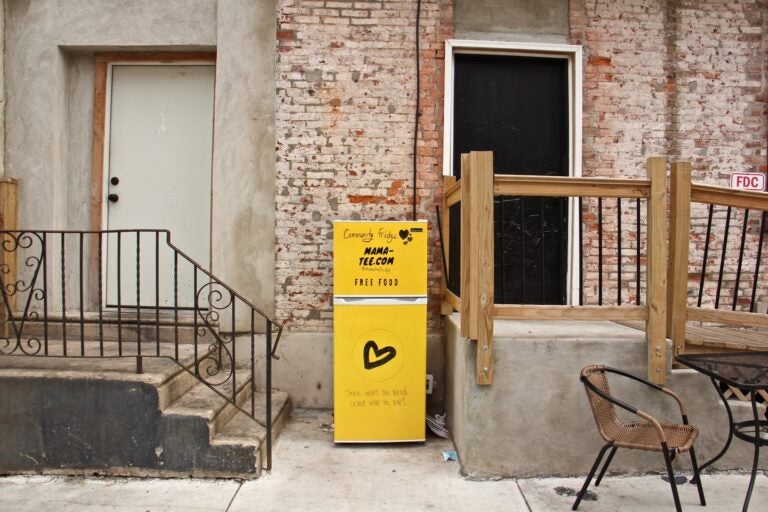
[[382, 355], [403, 234]]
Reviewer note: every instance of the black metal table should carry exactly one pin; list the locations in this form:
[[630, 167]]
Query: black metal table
[[743, 370]]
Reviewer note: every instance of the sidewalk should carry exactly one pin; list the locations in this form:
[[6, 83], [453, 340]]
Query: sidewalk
[[312, 474]]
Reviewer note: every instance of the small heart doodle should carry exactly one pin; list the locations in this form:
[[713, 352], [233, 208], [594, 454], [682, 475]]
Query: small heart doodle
[[381, 355], [404, 233]]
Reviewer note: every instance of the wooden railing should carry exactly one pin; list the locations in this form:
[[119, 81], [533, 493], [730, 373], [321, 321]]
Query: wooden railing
[[476, 190], [693, 261]]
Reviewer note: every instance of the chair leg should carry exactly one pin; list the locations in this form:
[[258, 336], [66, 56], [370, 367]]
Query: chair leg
[[668, 462], [589, 477], [697, 476], [605, 466]]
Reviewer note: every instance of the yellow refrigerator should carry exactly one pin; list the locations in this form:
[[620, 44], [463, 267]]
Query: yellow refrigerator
[[379, 331]]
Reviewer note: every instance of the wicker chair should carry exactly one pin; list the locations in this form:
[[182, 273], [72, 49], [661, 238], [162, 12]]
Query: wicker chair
[[645, 434]]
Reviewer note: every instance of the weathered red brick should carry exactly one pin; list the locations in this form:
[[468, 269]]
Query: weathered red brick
[[599, 61], [360, 199]]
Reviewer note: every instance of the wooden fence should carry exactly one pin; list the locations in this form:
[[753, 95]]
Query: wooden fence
[[476, 190], [671, 309], [684, 310]]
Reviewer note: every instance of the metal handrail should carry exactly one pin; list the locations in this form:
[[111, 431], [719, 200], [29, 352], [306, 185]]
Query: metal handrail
[[39, 287]]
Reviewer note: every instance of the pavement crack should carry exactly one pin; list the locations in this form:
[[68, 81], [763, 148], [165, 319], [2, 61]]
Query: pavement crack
[[229, 505], [525, 499]]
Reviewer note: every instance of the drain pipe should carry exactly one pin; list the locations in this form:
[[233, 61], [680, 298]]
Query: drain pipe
[[418, 106]]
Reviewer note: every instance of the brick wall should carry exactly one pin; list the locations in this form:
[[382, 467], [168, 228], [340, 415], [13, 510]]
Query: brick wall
[[625, 100], [685, 78], [720, 120], [345, 120]]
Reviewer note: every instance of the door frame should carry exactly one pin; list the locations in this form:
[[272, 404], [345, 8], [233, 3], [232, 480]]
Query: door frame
[[100, 127], [573, 55], [100, 131]]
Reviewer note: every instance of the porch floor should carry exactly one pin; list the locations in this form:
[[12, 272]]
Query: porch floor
[[716, 339]]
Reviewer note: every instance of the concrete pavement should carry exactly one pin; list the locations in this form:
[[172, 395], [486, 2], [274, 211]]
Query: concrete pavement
[[313, 474]]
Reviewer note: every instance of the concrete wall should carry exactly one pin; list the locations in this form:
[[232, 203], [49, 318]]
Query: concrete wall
[[512, 20], [535, 420], [49, 91], [243, 210], [65, 423]]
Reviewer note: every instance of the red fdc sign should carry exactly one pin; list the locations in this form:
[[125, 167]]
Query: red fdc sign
[[748, 180]]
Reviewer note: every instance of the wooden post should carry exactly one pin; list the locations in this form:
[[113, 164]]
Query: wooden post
[[8, 204], [468, 323], [8, 222], [657, 270], [679, 234], [445, 214], [482, 266]]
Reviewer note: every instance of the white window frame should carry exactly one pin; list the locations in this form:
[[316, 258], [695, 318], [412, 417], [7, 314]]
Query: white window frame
[[573, 55]]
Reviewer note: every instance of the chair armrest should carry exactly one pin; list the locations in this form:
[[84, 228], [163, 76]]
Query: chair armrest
[[679, 401], [655, 386]]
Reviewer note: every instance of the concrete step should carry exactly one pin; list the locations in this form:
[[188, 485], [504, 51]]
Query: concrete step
[[128, 328], [81, 415], [219, 439], [242, 431], [201, 400], [75, 349], [177, 384]]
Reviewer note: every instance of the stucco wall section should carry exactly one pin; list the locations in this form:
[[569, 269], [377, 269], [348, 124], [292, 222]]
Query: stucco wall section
[[512, 20], [345, 119], [243, 211], [49, 57], [39, 36]]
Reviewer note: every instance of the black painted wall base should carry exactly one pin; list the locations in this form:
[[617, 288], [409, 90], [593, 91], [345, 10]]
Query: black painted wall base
[[108, 427]]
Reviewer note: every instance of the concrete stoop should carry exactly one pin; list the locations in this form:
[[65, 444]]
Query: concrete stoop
[[97, 416], [535, 419]]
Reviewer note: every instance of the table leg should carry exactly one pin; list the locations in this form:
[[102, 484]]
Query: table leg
[[753, 396], [730, 430]]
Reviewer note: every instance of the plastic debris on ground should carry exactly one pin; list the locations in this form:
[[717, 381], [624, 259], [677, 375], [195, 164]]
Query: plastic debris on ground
[[450, 455], [436, 424]]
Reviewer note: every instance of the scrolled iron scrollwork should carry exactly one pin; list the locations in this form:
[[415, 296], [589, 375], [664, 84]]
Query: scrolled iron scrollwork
[[20, 294], [19, 240], [216, 365]]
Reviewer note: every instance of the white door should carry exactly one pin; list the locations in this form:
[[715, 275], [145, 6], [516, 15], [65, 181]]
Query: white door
[[158, 176]]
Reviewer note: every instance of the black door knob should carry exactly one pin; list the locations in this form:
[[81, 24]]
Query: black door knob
[[113, 197], [114, 180]]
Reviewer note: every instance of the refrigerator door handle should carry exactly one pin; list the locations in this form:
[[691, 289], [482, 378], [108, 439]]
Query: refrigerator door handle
[[379, 300]]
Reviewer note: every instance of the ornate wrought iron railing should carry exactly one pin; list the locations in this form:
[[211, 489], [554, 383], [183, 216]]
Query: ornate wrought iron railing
[[132, 293]]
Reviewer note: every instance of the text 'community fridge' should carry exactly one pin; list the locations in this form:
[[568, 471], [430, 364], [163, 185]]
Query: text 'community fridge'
[[379, 331]]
